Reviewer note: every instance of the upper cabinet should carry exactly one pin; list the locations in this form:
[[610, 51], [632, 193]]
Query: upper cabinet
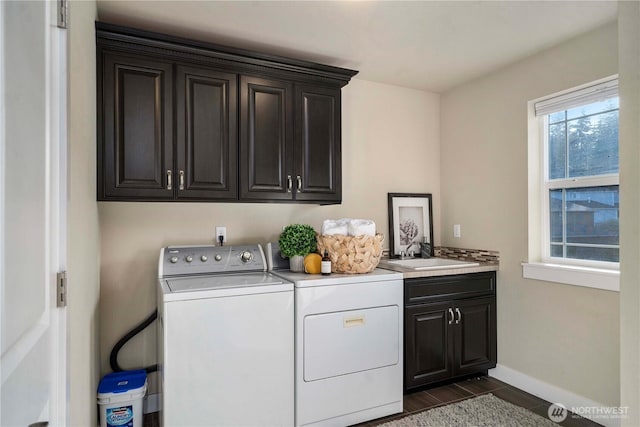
[[266, 139], [317, 154], [190, 121], [206, 134], [135, 119]]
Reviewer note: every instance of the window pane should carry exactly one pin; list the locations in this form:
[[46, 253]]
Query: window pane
[[557, 150], [592, 215], [596, 107], [593, 145], [555, 218], [556, 251], [557, 117], [595, 254]]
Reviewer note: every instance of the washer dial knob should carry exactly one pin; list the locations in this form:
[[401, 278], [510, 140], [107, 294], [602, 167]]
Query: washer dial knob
[[189, 258], [218, 257], [203, 258], [173, 259], [246, 256]]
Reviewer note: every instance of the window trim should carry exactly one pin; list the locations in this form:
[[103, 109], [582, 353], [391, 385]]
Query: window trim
[[540, 265], [588, 277]]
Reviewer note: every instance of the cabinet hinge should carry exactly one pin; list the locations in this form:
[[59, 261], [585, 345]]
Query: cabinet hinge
[[62, 13], [61, 289]]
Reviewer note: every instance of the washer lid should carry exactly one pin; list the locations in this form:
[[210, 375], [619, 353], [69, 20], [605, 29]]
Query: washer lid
[[223, 281]]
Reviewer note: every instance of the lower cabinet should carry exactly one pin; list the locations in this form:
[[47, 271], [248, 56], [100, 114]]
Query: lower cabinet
[[448, 335]]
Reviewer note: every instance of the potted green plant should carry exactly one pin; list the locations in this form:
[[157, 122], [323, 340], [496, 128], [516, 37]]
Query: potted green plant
[[296, 241]]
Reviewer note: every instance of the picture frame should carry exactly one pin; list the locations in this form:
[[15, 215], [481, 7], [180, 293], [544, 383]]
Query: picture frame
[[410, 224]]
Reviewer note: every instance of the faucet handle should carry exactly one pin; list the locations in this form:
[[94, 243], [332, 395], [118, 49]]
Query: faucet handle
[[411, 253], [402, 255]]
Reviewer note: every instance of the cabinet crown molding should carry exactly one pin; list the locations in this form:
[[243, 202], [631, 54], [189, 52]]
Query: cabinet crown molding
[[117, 34]]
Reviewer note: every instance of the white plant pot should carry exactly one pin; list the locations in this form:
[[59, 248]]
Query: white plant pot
[[296, 264]]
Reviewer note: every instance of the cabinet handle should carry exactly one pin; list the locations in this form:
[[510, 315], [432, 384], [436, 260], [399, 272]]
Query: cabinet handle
[[289, 183], [181, 187], [459, 316], [299, 184], [169, 185], [451, 316]]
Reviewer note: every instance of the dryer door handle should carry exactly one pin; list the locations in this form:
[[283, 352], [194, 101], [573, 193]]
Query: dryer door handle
[[348, 322]]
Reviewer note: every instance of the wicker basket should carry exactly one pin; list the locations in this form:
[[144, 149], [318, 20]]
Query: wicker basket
[[359, 254]]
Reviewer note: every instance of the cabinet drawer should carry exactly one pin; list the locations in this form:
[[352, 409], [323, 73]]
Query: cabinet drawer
[[427, 289]]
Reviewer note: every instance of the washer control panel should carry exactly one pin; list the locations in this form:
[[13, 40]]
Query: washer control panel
[[189, 260]]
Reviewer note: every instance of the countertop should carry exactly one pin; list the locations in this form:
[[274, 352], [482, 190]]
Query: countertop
[[410, 273]]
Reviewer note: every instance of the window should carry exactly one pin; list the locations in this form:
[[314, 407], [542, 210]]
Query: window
[[579, 188]]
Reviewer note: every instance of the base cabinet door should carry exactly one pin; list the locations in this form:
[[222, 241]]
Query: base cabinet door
[[428, 344], [135, 132], [475, 340]]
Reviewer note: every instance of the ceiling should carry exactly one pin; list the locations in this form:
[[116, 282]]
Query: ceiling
[[427, 45]]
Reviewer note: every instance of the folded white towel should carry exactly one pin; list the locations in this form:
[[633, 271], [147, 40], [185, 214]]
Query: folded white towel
[[358, 227], [349, 227], [335, 226]]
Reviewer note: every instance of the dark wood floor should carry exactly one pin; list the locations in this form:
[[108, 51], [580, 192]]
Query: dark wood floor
[[455, 392], [465, 389]]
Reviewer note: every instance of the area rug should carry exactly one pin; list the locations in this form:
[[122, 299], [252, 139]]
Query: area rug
[[486, 410]]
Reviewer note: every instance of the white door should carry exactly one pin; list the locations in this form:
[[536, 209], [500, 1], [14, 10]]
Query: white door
[[33, 363]]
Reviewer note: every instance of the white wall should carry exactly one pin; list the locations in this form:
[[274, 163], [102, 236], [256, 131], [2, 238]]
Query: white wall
[[390, 143], [563, 335], [629, 60], [83, 231]]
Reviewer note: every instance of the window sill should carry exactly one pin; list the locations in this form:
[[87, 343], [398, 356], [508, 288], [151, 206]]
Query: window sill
[[598, 278]]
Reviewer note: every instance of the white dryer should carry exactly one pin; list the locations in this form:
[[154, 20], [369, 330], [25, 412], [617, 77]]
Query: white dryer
[[348, 346]]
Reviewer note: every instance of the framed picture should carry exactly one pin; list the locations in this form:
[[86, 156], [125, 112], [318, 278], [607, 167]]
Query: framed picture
[[410, 224]]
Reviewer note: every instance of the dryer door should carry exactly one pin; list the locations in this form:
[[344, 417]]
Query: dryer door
[[351, 341]]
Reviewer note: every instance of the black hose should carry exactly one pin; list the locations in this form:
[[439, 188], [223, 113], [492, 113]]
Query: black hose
[[113, 358]]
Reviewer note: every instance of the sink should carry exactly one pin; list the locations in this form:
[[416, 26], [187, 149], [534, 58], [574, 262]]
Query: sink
[[432, 263]]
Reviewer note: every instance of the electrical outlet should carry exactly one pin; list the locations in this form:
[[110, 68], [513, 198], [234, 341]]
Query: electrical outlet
[[221, 231], [456, 230]]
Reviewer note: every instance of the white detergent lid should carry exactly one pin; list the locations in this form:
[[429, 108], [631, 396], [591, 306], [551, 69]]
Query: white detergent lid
[[122, 387]]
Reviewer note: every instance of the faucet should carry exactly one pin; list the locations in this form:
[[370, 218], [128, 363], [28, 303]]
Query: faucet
[[407, 253]]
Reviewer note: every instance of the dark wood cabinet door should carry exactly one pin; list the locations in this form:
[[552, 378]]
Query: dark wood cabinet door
[[475, 335], [266, 137], [428, 344], [206, 134], [135, 133], [318, 148]]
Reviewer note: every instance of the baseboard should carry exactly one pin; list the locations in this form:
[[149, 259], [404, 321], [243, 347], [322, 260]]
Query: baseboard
[[151, 403], [551, 393]]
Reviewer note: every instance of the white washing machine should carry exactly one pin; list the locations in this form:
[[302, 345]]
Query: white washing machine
[[226, 336], [349, 347]]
